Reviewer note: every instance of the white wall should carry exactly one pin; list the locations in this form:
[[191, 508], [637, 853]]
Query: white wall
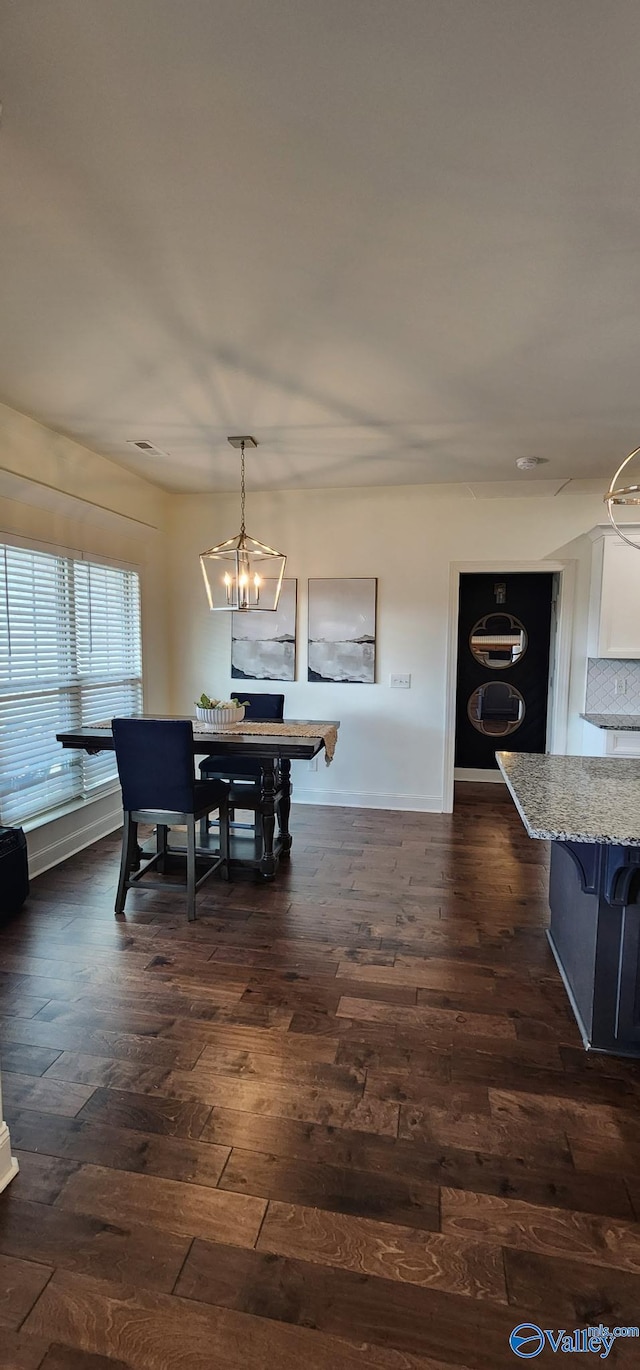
[[60, 494], [391, 748]]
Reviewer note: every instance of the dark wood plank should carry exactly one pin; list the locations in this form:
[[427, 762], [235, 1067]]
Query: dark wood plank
[[41, 1177], [570, 1290], [21, 1005], [92, 1041], [175, 1022], [22, 1059], [297, 993], [605, 1151], [120, 1248], [144, 1113], [163, 1331], [429, 1259], [189, 1210], [447, 1022], [547, 1231], [65, 1358], [284, 1045], [124, 1148], [402, 1087], [203, 1078], [21, 1283], [400, 1053], [416, 1322], [47, 1096], [566, 1104], [341, 1103], [479, 1132], [22, 1352], [418, 972], [311, 1143], [338, 1189], [479, 1058]]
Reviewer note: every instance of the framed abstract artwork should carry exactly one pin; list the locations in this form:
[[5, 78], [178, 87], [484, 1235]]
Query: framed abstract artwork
[[342, 630], [263, 645]]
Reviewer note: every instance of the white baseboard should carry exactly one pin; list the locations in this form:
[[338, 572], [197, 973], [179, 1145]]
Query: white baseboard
[[471, 773], [64, 837], [369, 799], [8, 1163], [57, 841]]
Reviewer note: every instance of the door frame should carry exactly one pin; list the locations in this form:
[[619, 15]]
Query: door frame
[[558, 720]]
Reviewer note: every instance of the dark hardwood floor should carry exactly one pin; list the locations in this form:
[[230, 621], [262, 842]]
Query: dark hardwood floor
[[344, 1120]]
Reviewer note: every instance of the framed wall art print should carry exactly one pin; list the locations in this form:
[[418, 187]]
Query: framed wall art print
[[342, 630], [263, 645]]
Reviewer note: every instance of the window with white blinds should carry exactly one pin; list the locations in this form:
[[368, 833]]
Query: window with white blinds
[[70, 654]]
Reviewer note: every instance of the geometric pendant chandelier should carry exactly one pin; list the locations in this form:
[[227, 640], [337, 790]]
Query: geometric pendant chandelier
[[622, 495], [242, 574]]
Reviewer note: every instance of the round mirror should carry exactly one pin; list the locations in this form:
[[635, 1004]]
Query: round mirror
[[497, 641], [496, 709]]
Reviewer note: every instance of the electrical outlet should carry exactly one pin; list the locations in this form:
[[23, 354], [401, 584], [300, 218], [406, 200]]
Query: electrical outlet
[[620, 685], [400, 682]]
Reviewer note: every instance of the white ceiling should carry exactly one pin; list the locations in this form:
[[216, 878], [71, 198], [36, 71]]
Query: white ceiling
[[396, 240]]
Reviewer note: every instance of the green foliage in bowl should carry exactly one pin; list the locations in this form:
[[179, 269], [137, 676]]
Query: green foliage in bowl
[[204, 702]]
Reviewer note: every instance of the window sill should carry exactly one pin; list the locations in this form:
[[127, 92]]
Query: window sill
[[74, 806]]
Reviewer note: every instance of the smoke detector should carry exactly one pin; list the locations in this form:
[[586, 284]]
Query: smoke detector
[[529, 463]]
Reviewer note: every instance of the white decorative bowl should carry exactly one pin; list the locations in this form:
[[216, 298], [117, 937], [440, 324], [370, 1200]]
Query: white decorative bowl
[[220, 718]]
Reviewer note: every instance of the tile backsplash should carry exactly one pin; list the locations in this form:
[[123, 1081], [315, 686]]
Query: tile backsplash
[[601, 697]]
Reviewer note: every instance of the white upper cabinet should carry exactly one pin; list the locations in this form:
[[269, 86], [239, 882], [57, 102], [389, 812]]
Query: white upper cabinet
[[614, 611]]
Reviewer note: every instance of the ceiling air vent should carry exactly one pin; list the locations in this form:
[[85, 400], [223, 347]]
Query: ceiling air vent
[[144, 445]]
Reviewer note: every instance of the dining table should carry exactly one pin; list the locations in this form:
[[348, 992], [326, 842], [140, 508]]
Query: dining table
[[274, 750]]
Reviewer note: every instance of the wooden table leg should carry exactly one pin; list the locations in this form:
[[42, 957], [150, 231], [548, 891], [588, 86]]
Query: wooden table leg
[[269, 861], [285, 808]]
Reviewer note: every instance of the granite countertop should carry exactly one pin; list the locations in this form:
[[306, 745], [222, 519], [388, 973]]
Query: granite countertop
[[621, 723], [575, 798]]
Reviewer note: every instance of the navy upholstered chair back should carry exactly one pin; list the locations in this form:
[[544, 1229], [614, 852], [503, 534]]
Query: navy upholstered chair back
[[261, 708], [155, 763], [498, 702]]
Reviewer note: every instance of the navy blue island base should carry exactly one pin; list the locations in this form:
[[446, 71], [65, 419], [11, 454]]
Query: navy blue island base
[[588, 808]]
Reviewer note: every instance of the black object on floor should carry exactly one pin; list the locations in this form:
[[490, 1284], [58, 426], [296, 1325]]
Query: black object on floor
[[14, 871]]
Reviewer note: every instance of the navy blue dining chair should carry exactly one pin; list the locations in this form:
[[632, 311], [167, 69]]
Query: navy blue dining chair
[[156, 769], [499, 702], [241, 774]]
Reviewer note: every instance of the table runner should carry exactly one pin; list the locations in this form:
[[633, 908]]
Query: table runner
[[326, 731]]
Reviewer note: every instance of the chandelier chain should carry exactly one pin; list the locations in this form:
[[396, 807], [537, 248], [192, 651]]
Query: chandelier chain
[[242, 488]]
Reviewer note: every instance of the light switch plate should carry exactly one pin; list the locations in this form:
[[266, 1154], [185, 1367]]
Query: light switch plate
[[400, 682]]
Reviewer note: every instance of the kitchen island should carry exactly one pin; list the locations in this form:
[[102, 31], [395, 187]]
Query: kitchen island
[[588, 807]]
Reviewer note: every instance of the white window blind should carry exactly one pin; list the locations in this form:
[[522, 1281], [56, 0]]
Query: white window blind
[[69, 655]]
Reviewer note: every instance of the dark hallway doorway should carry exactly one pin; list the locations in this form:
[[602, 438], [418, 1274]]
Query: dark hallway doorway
[[504, 630]]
